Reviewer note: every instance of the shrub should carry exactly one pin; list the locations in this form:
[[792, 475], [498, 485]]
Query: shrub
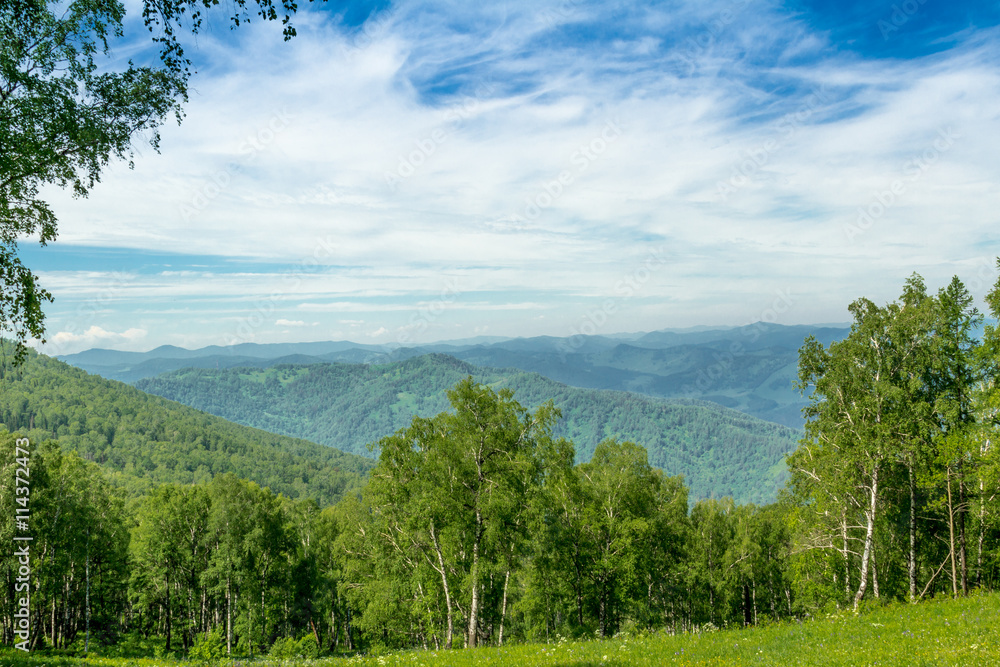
[[288, 648], [210, 647]]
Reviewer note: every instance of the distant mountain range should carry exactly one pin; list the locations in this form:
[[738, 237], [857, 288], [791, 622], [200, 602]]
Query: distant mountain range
[[719, 451], [750, 369]]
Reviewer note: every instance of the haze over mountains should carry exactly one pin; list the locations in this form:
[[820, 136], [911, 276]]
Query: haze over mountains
[[720, 452], [750, 369], [679, 393]]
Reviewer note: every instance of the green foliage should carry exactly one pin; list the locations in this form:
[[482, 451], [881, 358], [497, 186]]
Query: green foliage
[[719, 452], [609, 539], [144, 440], [288, 648], [285, 647], [893, 478], [209, 647], [169, 553], [79, 529], [450, 495], [559, 549], [65, 115], [210, 570]]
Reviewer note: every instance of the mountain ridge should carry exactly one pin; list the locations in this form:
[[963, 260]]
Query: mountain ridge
[[720, 451], [750, 368]]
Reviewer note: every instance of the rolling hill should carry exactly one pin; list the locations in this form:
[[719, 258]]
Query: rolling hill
[[145, 440], [719, 451]]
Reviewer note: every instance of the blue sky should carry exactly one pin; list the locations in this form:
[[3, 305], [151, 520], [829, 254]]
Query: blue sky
[[403, 173]]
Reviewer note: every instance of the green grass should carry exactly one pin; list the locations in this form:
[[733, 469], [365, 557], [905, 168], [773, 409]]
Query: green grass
[[961, 633]]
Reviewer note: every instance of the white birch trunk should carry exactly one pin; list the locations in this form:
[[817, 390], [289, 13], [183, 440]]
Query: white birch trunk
[[869, 538]]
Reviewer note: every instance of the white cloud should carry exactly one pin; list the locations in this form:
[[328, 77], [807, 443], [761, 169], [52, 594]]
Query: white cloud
[[285, 156], [67, 342]]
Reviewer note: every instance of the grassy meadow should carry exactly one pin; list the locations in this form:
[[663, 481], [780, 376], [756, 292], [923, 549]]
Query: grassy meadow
[[963, 632]]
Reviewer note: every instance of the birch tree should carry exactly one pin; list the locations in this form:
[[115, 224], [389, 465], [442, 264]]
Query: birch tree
[[865, 412], [451, 493], [951, 381]]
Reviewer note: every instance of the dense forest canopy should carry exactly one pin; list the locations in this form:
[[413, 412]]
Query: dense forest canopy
[[720, 452], [897, 478]]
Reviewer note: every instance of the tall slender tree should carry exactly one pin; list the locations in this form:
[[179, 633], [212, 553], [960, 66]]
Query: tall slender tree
[[453, 490], [867, 412]]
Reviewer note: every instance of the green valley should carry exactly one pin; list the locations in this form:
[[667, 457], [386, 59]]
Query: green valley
[[720, 452], [750, 368]]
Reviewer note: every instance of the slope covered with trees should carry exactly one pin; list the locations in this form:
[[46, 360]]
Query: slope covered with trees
[[475, 528], [146, 440], [720, 452]]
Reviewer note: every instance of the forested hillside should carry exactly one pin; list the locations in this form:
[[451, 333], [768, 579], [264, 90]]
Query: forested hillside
[[146, 440], [720, 452], [750, 369], [480, 526]]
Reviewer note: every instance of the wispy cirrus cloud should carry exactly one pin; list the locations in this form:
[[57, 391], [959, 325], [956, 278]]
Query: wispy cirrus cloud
[[367, 167]]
